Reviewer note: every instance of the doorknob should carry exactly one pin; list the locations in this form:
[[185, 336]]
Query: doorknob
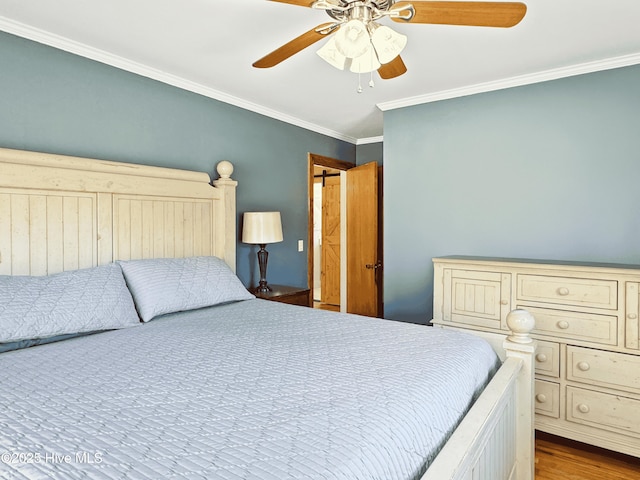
[[376, 265]]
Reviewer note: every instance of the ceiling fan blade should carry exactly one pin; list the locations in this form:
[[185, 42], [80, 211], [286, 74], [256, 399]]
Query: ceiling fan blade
[[479, 14], [393, 69], [302, 3], [296, 45]]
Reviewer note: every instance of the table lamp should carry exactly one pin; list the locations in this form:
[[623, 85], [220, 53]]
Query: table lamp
[[260, 228]]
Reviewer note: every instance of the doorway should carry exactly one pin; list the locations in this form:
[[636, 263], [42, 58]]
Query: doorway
[[345, 250], [324, 256]]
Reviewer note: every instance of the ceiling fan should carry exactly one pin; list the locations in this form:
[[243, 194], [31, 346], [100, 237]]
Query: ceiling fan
[[363, 45]]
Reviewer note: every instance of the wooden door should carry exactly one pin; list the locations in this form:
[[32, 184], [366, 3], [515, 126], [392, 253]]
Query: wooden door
[[330, 248], [364, 265]]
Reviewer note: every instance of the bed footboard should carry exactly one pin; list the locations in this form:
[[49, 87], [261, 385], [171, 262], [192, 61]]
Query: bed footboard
[[495, 440]]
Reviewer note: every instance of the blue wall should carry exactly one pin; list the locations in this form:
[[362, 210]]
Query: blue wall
[[369, 152], [56, 102], [550, 170]]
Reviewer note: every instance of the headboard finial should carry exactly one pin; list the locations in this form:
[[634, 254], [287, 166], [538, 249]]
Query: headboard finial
[[225, 169], [520, 322]]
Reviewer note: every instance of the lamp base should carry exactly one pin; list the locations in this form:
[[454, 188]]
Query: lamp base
[[263, 256], [263, 288]]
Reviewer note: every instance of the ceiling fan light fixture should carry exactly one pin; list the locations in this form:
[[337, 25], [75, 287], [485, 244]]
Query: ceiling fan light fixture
[[330, 54], [387, 42], [352, 40], [354, 24]]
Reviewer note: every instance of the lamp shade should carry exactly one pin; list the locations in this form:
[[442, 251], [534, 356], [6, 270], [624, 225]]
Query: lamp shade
[[330, 54], [352, 40], [261, 227], [388, 44]]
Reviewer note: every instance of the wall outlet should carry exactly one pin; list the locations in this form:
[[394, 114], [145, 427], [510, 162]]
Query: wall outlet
[[301, 245]]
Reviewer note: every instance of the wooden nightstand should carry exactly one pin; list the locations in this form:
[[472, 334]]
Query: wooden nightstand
[[282, 293]]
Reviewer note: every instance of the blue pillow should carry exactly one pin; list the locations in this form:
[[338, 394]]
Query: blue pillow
[[167, 285], [76, 301]]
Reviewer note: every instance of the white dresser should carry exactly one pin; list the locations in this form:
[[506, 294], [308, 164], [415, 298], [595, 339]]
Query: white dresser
[[588, 332]]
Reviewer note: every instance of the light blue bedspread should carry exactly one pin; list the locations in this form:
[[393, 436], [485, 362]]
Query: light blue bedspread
[[249, 390]]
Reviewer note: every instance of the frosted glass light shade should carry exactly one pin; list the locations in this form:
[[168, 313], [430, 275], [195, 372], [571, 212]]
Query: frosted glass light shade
[[362, 48], [352, 40], [261, 227], [330, 54], [388, 43]]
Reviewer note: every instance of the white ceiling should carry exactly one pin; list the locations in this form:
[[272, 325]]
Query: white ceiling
[[208, 46]]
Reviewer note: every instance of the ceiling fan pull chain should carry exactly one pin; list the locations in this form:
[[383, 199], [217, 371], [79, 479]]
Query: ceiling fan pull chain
[[371, 84], [359, 83]]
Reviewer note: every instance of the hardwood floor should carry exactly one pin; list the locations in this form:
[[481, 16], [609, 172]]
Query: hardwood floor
[[326, 306], [561, 459]]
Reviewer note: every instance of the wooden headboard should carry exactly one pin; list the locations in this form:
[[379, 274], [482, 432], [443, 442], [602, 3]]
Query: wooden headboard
[[64, 213]]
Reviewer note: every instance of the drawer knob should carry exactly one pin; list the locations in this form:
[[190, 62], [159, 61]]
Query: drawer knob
[[632, 316], [584, 366], [563, 324], [541, 357], [541, 398], [583, 408], [563, 291]]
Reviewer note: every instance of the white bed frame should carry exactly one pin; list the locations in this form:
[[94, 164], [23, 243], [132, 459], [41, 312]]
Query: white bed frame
[[62, 213]]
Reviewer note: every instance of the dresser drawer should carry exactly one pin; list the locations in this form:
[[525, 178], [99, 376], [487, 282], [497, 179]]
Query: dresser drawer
[[547, 398], [580, 292], [603, 410], [548, 359], [607, 369], [575, 325]]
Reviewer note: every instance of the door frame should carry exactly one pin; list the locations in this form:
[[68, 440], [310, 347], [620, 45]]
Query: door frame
[[313, 161]]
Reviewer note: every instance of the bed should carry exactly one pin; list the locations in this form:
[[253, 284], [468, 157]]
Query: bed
[[165, 366]]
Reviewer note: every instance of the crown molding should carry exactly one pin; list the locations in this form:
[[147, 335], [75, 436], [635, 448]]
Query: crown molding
[[77, 48], [554, 74], [365, 141]]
